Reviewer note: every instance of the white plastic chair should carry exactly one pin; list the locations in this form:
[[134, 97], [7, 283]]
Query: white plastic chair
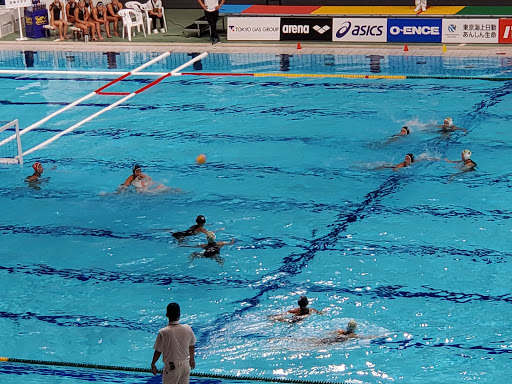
[[144, 7], [131, 19], [139, 7]]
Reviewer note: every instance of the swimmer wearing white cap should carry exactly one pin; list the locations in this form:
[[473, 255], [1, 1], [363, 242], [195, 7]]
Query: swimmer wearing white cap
[[466, 163], [211, 249], [349, 333], [448, 126]]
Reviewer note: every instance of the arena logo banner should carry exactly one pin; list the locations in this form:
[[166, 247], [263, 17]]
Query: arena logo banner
[[306, 29], [253, 28], [367, 30], [505, 31], [414, 30], [484, 31]]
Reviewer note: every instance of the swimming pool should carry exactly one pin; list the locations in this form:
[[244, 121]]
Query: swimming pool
[[419, 258]]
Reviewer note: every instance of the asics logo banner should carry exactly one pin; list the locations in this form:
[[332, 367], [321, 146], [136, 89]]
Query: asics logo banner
[[359, 30]]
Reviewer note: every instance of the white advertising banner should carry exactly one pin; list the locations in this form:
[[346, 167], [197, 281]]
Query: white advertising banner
[[367, 30], [18, 3], [483, 31], [253, 28]]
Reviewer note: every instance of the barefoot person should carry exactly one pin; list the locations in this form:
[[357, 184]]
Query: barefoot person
[[99, 16], [113, 14], [56, 11], [82, 21]]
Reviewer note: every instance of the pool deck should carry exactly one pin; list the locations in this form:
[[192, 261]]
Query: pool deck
[[252, 48], [174, 40]]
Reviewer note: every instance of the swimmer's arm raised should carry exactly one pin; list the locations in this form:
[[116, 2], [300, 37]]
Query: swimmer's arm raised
[[223, 243]]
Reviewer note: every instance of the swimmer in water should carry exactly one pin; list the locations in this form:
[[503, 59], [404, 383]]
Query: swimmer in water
[[448, 126], [403, 132], [298, 314], [211, 249], [465, 164], [342, 335], [408, 160], [140, 181], [193, 230], [38, 171]]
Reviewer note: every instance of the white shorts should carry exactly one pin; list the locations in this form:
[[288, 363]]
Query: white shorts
[[179, 375]]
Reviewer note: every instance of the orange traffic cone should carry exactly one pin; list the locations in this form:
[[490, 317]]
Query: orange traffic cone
[[406, 48], [298, 45]]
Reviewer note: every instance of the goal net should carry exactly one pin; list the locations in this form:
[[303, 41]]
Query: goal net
[[10, 143]]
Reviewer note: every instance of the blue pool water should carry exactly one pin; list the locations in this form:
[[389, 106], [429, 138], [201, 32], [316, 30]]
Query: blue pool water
[[419, 258]]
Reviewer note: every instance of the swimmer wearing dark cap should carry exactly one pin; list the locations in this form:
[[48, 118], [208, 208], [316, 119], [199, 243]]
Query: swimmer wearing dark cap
[[297, 313], [134, 179], [193, 230], [409, 159]]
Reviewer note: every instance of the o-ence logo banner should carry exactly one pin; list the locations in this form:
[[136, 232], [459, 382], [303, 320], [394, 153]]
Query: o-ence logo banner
[[311, 28], [505, 31], [367, 30], [414, 30], [470, 31], [253, 28]]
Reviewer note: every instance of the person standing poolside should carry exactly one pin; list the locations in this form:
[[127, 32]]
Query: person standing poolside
[[176, 343], [211, 13], [421, 5]]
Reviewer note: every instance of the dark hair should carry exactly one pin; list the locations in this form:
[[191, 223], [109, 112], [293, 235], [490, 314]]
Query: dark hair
[[173, 311], [303, 301], [406, 128], [411, 156], [200, 220], [135, 167]]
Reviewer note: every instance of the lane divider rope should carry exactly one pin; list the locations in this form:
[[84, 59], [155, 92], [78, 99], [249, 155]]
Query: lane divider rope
[[147, 370]]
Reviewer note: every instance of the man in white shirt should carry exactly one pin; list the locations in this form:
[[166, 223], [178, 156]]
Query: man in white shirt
[[155, 13], [211, 12], [176, 343]]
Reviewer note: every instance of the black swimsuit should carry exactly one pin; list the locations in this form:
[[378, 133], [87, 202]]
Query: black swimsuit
[[56, 11], [189, 232], [304, 311], [72, 7], [211, 250], [81, 15]]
